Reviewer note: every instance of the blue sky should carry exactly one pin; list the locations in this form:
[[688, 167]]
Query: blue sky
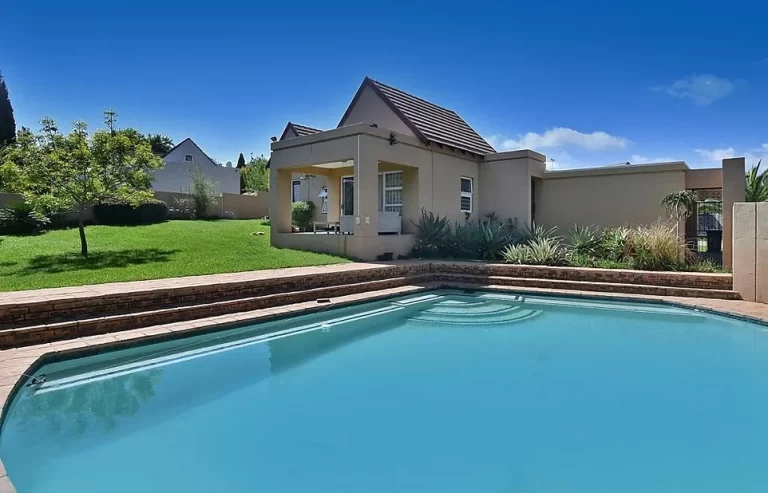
[[585, 84]]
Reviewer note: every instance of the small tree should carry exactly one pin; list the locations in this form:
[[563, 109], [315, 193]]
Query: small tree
[[7, 120], [78, 171], [161, 144], [679, 206], [255, 176], [203, 192], [240, 161]]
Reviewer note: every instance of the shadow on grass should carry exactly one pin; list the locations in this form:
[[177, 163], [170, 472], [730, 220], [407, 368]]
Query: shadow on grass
[[68, 262]]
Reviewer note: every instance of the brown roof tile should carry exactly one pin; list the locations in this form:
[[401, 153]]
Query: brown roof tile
[[301, 130], [430, 122]]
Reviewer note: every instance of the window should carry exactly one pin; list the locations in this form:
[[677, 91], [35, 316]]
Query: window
[[295, 190], [466, 194], [391, 191], [188, 158]]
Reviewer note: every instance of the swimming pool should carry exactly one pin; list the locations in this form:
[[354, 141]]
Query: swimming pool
[[445, 391]]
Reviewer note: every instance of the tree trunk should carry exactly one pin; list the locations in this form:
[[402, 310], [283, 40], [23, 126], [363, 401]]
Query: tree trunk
[[81, 228]]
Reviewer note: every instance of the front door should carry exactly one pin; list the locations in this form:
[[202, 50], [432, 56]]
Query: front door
[[348, 196]]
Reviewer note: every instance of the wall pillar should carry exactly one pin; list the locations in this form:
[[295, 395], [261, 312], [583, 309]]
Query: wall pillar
[[734, 184], [761, 252], [280, 203], [366, 193], [744, 249]]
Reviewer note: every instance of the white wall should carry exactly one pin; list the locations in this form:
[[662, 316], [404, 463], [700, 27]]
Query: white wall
[[174, 176]]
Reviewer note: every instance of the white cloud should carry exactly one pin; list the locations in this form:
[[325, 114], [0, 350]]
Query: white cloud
[[561, 137], [764, 61], [703, 89], [716, 154]]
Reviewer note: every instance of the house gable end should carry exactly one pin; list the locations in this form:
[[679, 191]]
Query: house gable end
[[370, 106], [188, 147]]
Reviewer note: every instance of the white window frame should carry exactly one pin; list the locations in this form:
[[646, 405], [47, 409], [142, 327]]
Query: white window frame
[[469, 194], [294, 198], [188, 156], [385, 189]]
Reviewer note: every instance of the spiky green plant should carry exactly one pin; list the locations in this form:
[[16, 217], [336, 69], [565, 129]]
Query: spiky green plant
[[491, 238], [757, 184], [433, 235], [584, 240]]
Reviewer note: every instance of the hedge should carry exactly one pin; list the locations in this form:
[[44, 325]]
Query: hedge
[[125, 214]]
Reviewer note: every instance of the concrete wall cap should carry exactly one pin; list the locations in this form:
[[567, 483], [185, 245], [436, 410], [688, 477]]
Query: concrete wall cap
[[520, 154], [618, 170]]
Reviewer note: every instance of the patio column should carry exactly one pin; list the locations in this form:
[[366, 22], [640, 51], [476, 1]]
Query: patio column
[[366, 192], [734, 184], [280, 201]]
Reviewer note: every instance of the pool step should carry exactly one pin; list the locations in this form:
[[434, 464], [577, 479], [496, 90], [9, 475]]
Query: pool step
[[493, 313], [44, 333], [605, 287]]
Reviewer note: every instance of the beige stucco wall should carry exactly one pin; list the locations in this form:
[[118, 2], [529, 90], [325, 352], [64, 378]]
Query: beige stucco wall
[[505, 181], [370, 108], [734, 190], [750, 250], [251, 206], [608, 197], [432, 179], [703, 178]]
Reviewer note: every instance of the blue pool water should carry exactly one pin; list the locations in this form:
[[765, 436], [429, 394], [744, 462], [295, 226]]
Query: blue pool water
[[437, 392]]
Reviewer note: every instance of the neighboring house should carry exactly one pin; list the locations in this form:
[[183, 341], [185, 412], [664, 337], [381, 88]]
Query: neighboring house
[[178, 163], [394, 154]]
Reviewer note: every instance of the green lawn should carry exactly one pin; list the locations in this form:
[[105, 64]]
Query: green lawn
[[129, 253]]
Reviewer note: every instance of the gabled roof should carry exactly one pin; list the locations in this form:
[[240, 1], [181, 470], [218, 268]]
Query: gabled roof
[[194, 144], [429, 122], [299, 130]]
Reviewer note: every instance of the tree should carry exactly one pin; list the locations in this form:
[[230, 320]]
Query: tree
[[240, 161], [77, 171], [254, 177], [757, 184], [679, 206], [161, 144], [7, 121]]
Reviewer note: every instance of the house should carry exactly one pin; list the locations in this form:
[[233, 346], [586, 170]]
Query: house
[[179, 162], [394, 154]]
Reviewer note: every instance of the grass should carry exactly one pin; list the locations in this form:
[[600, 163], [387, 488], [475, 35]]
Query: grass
[[123, 253]]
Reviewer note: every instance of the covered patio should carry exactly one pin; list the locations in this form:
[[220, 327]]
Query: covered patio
[[371, 198]]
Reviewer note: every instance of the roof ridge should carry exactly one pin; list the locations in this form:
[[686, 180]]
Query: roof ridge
[[413, 96]]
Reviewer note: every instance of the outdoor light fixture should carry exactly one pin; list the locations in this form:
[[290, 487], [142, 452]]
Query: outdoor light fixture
[[273, 139], [392, 138]]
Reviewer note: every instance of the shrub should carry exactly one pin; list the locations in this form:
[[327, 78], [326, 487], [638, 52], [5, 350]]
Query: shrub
[[301, 213], [491, 238], [21, 218], [656, 247], [463, 241], [433, 236], [122, 213], [536, 232], [613, 244], [584, 240], [203, 193], [541, 251]]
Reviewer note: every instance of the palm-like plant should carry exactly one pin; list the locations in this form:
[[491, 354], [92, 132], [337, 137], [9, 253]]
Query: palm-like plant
[[679, 206], [433, 234], [757, 184]]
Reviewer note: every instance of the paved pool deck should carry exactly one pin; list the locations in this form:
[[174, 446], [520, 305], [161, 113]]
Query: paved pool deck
[[14, 363]]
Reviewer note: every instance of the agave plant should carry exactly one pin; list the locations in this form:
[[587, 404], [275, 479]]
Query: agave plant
[[433, 234], [546, 251], [515, 254], [537, 232], [463, 242], [584, 240], [490, 239], [757, 184]]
